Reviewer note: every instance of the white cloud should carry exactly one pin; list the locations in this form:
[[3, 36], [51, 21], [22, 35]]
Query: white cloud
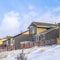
[[28, 18], [30, 15], [48, 17], [10, 24]]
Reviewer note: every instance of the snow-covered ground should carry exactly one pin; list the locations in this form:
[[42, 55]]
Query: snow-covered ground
[[35, 53]]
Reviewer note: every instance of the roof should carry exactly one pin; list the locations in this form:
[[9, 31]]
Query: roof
[[7, 37], [20, 33], [41, 24]]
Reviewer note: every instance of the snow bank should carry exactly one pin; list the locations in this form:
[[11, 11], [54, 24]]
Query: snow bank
[[49, 53], [35, 53]]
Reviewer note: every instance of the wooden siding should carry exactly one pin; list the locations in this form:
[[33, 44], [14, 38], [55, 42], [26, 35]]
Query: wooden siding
[[58, 41], [5, 39], [39, 30], [1, 41], [54, 34], [27, 32]]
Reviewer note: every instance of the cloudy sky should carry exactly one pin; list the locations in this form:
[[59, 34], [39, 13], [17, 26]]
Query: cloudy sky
[[16, 15]]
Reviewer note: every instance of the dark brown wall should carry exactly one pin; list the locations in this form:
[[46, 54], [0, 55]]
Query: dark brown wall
[[48, 37], [52, 34], [51, 37], [21, 38]]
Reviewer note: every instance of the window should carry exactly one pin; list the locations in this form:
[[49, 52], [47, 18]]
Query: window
[[8, 42], [41, 37], [4, 43], [32, 30], [13, 41]]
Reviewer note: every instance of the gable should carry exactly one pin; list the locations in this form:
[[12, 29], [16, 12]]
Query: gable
[[40, 30]]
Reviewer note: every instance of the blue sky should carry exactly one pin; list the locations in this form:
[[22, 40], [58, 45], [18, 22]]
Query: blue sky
[[16, 15]]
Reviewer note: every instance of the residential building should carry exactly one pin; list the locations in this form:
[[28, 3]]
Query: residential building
[[34, 29]]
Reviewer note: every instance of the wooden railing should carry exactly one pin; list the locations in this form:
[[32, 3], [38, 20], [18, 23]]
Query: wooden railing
[[6, 48]]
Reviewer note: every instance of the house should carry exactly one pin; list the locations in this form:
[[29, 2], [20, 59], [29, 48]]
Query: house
[[7, 42], [43, 31], [38, 33], [35, 28]]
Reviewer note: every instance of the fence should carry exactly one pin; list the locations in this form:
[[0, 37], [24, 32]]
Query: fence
[[26, 44], [6, 48], [40, 43]]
